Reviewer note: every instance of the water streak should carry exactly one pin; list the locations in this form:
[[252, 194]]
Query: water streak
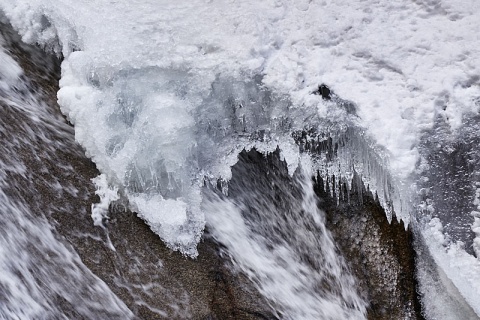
[[275, 233]]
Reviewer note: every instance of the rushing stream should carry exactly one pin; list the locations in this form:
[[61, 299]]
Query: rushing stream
[[273, 230], [42, 277]]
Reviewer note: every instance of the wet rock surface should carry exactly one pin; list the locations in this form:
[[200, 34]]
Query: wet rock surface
[[381, 254]]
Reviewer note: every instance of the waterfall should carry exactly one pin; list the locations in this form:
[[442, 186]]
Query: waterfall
[[179, 107], [274, 232]]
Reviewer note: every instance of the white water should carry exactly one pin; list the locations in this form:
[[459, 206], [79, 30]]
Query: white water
[[41, 277], [276, 263], [46, 279], [161, 94]]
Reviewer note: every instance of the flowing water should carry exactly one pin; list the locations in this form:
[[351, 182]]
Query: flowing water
[[273, 230], [42, 276]]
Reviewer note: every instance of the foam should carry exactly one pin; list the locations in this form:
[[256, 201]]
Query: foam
[[107, 195]]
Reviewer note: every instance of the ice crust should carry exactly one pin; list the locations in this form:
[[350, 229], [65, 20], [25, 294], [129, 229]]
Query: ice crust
[[163, 94]]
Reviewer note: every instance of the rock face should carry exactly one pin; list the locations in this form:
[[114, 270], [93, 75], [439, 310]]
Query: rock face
[[380, 254]]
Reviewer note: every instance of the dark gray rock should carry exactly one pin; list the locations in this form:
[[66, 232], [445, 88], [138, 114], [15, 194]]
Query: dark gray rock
[[380, 254]]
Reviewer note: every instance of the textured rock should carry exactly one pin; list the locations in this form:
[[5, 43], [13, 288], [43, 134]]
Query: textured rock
[[380, 254]]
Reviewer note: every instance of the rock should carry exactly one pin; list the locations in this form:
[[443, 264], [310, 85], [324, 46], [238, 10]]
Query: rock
[[323, 91], [380, 254]]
